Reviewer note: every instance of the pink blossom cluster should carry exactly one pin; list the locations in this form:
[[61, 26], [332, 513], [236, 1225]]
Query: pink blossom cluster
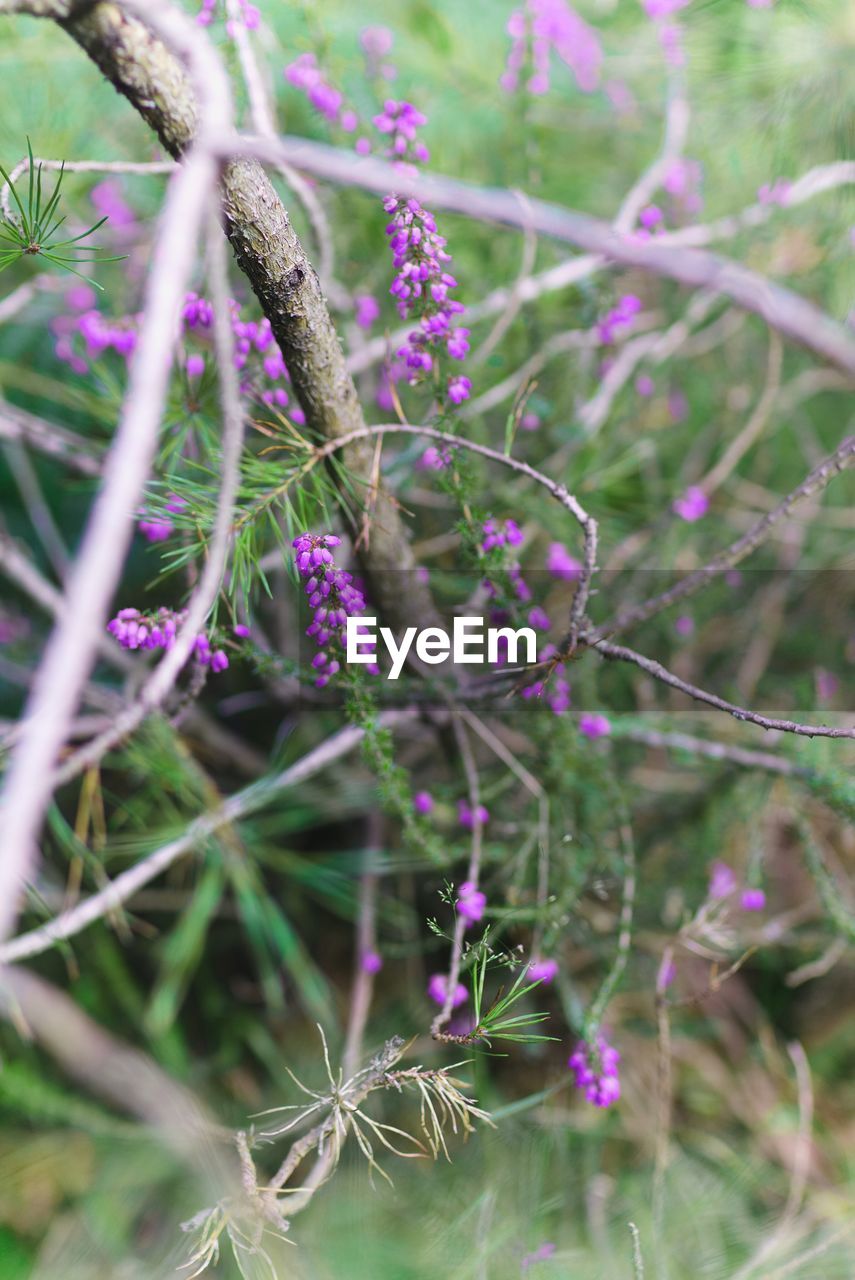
[[692, 505], [159, 528], [471, 902], [136, 630], [595, 1070], [724, 883], [594, 725], [250, 15], [438, 990], [305, 74], [543, 970], [333, 597], [99, 334], [618, 318], [421, 287], [377, 44], [500, 534], [401, 122], [542, 26], [466, 816]]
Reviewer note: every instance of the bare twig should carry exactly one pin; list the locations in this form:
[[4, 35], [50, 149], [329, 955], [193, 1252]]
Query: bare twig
[[620, 653]]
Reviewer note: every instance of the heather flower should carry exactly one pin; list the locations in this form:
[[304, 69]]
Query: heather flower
[[560, 564], [459, 387], [595, 1070], [400, 121], [594, 724], [618, 318], [133, 629], [367, 310], [542, 1254], [684, 625], [371, 962], [722, 880], [333, 597], [651, 217], [421, 288], [693, 505], [542, 970], [466, 817], [539, 619], [241, 630], [423, 802], [109, 202], [496, 534], [471, 902], [544, 26], [530, 421], [156, 530], [438, 990], [305, 74], [376, 44], [683, 182], [433, 459], [195, 365], [644, 385], [752, 900]]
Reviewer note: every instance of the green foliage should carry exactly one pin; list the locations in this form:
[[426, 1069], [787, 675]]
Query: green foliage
[[34, 232]]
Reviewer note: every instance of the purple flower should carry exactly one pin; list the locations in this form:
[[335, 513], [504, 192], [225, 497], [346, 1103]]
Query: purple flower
[[401, 120], [752, 900], [438, 989], [156, 530], [157, 630], [542, 1254], [466, 818], [539, 619], [371, 962], [422, 288], [304, 74], [684, 625], [109, 203], [542, 970], [542, 27], [826, 683], [459, 388], [644, 385], [692, 505], [651, 217], [367, 310], [594, 725], [595, 1070], [530, 421], [333, 597], [618, 319], [561, 564], [471, 902], [219, 660], [241, 630], [195, 366], [423, 802], [722, 880]]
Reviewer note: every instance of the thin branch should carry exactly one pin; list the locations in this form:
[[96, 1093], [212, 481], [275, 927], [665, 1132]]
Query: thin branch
[[712, 750], [619, 653], [794, 317]]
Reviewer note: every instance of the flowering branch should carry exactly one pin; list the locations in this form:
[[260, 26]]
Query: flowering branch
[[792, 315]]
